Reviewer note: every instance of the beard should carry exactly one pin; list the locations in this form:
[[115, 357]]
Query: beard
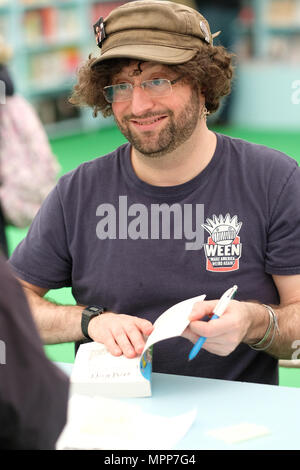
[[176, 131]]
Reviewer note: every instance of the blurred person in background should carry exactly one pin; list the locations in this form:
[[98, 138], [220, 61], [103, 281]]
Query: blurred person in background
[[7, 89], [33, 391], [28, 168], [223, 14]]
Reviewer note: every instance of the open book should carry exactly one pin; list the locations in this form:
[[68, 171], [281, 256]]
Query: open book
[[97, 372]]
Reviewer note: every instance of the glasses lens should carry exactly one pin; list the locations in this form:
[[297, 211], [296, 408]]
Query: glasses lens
[[123, 91], [157, 87], [108, 93], [116, 93]]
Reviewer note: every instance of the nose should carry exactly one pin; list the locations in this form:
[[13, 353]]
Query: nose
[[141, 102]]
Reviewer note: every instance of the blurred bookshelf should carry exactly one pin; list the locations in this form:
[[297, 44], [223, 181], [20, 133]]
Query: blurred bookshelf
[[267, 89], [50, 39], [271, 30]]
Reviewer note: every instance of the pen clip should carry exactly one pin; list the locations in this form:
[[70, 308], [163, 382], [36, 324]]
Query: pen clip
[[224, 301]]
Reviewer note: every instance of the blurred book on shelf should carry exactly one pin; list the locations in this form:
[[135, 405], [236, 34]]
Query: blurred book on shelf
[[4, 26], [51, 25], [53, 68], [283, 48], [42, 2], [282, 13]]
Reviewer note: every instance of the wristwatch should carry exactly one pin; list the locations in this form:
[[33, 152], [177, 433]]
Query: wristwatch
[[87, 314]]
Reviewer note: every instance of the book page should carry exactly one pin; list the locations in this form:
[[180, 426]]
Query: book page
[[172, 322]]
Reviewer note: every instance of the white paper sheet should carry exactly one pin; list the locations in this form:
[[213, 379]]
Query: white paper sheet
[[103, 423], [239, 432]]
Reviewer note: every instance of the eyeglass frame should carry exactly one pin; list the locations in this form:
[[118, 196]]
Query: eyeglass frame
[[131, 87]]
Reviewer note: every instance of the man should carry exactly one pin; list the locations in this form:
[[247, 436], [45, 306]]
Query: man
[[177, 212], [33, 392]]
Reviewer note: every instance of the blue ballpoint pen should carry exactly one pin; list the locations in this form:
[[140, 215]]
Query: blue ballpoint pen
[[217, 312]]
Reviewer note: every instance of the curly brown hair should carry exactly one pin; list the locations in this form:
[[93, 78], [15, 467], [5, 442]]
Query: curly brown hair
[[210, 70]]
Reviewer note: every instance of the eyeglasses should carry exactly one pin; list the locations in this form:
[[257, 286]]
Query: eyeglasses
[[154, 88]]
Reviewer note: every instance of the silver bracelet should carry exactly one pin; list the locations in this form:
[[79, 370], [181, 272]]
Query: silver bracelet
[[273, 323]]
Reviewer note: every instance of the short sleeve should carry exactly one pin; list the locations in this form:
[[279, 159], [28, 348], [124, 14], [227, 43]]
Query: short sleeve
[[43, 257], [283, 246]]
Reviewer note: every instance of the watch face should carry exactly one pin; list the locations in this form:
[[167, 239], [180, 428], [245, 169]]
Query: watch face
[[94, 309]]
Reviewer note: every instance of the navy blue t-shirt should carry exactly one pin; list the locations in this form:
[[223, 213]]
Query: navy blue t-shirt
[[137, 249]]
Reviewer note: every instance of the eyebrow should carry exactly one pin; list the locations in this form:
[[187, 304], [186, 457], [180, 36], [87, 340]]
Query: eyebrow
[[137, 71], [162, 73]]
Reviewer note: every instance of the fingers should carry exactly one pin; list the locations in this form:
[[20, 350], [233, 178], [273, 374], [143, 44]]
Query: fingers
[[202, 309], [121, 334], [128, 334], [209, 328], [223, 334], [213, 327]]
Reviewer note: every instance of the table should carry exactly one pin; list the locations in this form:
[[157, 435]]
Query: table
[[223, 403]]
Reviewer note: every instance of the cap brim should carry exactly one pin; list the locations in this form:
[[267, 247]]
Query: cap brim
[[161, 54]]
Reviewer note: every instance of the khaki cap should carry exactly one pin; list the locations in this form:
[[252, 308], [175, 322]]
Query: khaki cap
[[152, 30]]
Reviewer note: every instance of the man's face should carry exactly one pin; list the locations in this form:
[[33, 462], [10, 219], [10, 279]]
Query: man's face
[[156, 126]]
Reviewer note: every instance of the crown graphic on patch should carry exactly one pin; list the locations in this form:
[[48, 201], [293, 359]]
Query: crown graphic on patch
[[223, 230]]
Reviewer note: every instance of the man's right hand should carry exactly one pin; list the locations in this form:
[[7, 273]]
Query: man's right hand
[[121, 334]]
